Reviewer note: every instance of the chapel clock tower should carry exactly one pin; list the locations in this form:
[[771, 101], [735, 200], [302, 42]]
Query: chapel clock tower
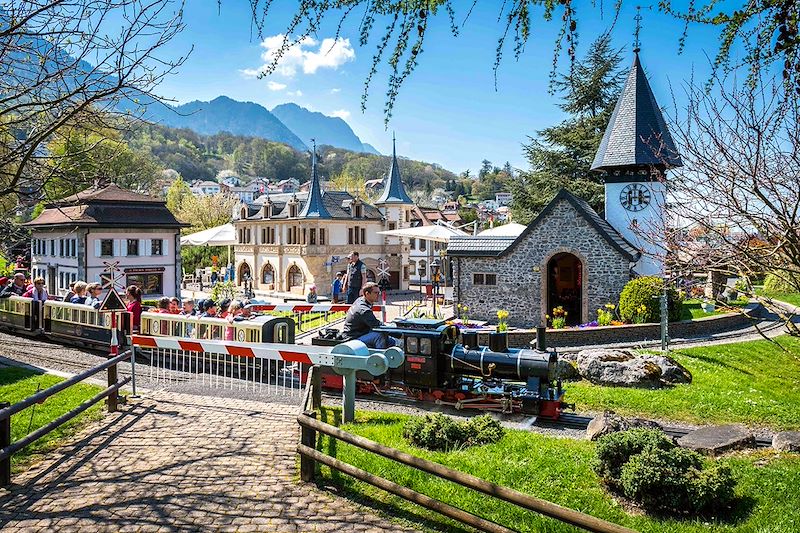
[[633, 157]]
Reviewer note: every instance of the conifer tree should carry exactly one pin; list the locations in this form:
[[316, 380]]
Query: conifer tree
[[560, 156]]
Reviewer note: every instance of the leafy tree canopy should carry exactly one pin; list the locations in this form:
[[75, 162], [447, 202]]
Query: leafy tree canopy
[[560, 156]]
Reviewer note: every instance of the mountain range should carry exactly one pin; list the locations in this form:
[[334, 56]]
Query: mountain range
[[287, 123]]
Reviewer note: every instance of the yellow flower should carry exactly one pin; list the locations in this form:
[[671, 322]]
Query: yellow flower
[[547, 316]]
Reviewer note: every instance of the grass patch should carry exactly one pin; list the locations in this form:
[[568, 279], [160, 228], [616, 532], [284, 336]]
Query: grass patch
[[17, 383], [792, 298], [555, 469], [753, 383], [692, 309]]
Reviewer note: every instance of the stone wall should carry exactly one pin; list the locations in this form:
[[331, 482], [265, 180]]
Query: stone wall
[[630, 333], [521, 272]]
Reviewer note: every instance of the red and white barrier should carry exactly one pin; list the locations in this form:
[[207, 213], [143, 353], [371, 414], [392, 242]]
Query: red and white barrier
[[306, 308], [296, 353]]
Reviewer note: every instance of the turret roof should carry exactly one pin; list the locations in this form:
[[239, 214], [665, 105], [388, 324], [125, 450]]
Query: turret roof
[[393, 190], [637, 134]]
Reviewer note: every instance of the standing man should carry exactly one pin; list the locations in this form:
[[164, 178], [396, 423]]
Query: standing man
[[356, 277]]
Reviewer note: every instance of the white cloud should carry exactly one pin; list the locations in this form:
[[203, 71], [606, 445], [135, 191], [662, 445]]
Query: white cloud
[[343, 114], [275, 86], [298, 92], [335, 90], [308, 55]]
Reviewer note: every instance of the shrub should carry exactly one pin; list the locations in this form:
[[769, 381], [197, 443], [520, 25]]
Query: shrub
[[439, 432], [781, 284], [675, 480], [639, 300], [483, 430], [616, 449]]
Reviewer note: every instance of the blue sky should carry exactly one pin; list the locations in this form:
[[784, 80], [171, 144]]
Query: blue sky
[[448, 111]]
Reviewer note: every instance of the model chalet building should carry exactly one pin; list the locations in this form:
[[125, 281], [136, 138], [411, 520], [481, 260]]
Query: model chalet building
[[73, 238], [569, 256], [287, 242]]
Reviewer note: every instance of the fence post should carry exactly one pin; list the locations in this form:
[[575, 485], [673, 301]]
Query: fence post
[[5, 441], [113, 397], [316, 384], [308, 438]]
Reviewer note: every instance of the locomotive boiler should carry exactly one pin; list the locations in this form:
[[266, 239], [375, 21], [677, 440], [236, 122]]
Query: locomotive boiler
[[440, 368]]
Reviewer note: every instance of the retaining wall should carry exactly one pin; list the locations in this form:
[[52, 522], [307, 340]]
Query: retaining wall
[[629, 333]]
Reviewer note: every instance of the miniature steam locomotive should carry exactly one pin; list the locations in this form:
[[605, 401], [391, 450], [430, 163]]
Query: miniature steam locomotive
[[440, 367]]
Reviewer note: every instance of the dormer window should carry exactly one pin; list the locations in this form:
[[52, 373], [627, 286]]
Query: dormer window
[[243, 213], [357, 208]]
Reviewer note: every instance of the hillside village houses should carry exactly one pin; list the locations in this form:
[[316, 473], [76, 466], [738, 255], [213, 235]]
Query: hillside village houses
[[287, 242], [73, 238], [569, 256]]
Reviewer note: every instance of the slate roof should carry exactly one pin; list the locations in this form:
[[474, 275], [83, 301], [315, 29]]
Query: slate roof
[[109, 193], [336, 203], [110, 206], [478, 246], [393, 190], [499, 246], [314, 206], [636, 134]]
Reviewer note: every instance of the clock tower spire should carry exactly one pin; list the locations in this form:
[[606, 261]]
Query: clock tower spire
[[634, 155]]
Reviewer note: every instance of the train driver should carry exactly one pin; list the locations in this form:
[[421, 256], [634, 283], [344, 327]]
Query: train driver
[[361, 321]]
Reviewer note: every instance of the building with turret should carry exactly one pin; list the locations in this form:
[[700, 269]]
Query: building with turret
[[569, 256], [288, 242]]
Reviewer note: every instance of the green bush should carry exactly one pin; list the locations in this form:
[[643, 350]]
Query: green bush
[[643, 293], [483, 430], [675, 480], [439, 432], [616, 449], [774, 284]]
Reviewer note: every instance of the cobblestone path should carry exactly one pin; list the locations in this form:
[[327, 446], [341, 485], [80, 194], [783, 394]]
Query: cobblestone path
[[179, 462]]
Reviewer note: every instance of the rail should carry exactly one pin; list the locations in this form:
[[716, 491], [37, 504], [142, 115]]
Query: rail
[[309, 456], [7, 410]]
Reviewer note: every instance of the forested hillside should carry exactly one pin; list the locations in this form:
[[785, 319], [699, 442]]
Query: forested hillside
[[196, 156]]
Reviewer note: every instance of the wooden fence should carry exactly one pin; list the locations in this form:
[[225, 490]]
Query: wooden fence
[[8, 448], [310, 456]]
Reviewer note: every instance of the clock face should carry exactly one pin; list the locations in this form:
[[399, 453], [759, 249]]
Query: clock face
[[635, 197]]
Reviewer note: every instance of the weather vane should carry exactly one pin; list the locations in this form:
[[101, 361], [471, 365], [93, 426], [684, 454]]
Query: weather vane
[[638, 18]]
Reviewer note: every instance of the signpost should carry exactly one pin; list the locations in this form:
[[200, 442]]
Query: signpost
[[112, 303]]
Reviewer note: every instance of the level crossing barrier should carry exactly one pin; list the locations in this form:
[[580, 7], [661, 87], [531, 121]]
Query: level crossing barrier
[[269, 368], [310, 317]]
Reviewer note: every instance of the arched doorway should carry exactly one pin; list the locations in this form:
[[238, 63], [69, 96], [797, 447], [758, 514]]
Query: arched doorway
[[371, 276], [244, 273], [294, 277], [565, 286], [268, 276]]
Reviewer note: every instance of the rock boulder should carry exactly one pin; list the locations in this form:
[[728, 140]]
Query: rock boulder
[[609, 422], [627, 368], [786, 441], [713, 440]]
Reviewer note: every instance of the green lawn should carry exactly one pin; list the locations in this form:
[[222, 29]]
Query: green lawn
[[558, 470], [790, 298], [16, 384], [691, 309], [754, 383]]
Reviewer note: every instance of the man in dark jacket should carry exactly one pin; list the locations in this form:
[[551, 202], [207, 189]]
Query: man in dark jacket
[[361, 321], [355, 279], [16, 288]]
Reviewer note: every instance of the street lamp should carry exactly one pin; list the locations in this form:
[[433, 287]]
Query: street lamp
[[435, 268]]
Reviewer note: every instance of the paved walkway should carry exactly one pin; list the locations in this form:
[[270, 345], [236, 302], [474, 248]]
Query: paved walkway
[[179, 462]]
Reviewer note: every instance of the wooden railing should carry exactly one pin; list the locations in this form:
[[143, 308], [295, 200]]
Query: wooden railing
[[8, 448], [310, 456]]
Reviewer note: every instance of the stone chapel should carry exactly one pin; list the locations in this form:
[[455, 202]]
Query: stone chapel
[[570, 256]]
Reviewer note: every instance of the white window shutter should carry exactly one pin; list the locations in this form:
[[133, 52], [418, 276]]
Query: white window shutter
[[164, 246], [97, 249], [117, 248], [148, 246]]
